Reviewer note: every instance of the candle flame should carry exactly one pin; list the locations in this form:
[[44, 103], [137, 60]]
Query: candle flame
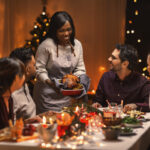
[[44, 120], [77, 109], [93, 91], [62, 115], [50, 120]]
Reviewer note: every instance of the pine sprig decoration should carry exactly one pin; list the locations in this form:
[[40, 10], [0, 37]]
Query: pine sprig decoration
[[88, 108]]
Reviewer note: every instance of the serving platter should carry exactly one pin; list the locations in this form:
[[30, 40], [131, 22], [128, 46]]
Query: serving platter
[[69, 92]]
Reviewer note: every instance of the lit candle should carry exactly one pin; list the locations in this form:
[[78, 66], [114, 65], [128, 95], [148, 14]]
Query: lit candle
[[44, 122], [51, 121], [62, 115], [77, 111]]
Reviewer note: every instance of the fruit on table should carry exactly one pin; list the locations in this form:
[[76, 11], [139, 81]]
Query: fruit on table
[[29, 130]]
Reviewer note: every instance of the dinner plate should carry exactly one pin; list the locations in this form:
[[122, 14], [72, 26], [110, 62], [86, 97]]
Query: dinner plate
[[127, 133], [135, 112], [137, 125], [142, 119]]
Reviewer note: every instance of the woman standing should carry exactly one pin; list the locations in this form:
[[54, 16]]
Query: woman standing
[[12, 76], [58, 55]]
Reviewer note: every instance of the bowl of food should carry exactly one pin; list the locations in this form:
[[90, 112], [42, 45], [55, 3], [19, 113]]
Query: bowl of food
[[71, 85], [126, 131], [112, 121], [131, 122], [111, 133], [135, 113]]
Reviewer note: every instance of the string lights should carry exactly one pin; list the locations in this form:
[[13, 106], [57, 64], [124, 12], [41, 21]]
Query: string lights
[[133, 35], [136, 12], [130, 27]]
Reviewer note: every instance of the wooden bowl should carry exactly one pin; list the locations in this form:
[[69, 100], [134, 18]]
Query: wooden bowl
[[111, 133], [112, 122]]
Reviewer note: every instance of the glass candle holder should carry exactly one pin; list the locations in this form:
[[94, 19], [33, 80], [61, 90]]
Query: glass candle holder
[[47, 133]]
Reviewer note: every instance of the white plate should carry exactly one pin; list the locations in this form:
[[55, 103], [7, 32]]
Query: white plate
[[127, 133], [142, 120], [137, 125]]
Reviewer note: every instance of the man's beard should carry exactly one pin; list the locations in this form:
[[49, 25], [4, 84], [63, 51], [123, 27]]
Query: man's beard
[[115, 69], [112, 68]]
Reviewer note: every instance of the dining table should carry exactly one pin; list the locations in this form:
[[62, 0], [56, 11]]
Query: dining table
[[140, 140]]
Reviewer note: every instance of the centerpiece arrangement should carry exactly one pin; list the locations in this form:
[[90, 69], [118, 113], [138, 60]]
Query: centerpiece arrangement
[[75, 119]]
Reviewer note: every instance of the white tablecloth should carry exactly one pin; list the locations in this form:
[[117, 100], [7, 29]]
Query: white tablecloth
[[136, 142]]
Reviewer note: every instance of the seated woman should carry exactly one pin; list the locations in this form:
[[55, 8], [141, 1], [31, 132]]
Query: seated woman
[[12, 76]]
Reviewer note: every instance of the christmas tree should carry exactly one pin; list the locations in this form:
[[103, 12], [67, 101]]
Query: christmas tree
[[39, 33], [40, 29]]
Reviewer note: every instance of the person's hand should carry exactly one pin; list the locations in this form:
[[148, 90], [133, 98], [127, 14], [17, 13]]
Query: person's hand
[[35, 119], [129, 107], [52, 84], [96, 105]]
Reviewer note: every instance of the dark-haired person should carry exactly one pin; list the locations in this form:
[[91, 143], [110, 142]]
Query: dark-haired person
[[24, 105], [27, 57], [148, 63], [122, 82], [58, 55], [12, 76]]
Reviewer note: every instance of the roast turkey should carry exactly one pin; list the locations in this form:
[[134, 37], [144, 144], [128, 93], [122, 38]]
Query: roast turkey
[[70, 81]]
